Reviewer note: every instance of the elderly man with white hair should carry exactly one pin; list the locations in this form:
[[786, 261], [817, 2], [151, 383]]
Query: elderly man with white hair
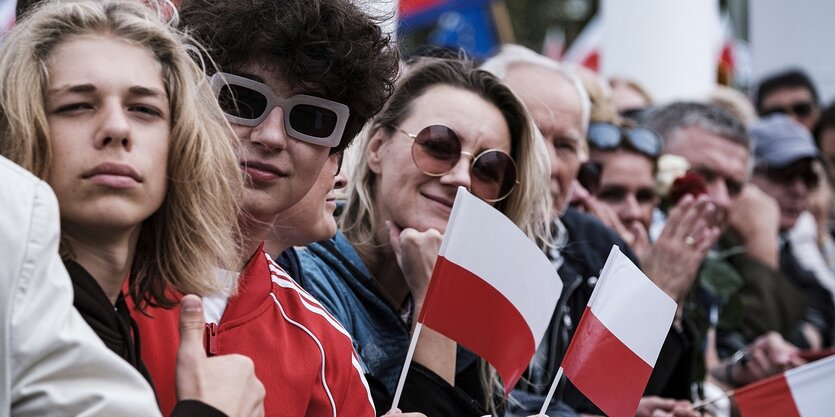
[[561, 109]]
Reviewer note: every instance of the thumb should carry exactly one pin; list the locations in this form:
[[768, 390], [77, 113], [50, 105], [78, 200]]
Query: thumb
[[192, 325]]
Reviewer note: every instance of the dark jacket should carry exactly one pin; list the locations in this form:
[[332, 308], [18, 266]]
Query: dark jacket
[[114, 326]]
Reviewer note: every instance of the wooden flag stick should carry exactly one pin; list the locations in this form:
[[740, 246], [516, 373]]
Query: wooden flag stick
[[551, 391], [700, 404], [405, 370]]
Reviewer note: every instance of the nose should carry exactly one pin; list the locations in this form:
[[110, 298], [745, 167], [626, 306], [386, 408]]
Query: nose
[[631, 209], [719, 195], [341, 178], [114, 128], [555, 161], [459, 175], [797, 188], [270, 134]]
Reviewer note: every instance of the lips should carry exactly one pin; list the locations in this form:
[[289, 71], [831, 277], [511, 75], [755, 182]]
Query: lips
[[262, 171], [439, 199], [113, 175]]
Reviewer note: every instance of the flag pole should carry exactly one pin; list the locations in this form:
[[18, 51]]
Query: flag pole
[[551, 391], [409, 355], [700, 404]]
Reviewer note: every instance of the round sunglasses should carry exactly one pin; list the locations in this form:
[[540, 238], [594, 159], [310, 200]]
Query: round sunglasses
[[436, 149], [307, 118], [606, 136]]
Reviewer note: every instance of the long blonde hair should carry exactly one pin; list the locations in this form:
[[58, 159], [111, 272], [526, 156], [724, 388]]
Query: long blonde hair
[[196, 228], [528, 206]]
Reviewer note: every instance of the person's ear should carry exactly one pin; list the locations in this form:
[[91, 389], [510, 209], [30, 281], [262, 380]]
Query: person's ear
[[375, 150]]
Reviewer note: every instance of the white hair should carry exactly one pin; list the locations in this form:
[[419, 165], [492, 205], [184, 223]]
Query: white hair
[[512, 54]]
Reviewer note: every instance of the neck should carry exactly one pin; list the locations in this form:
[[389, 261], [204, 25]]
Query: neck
[[106, 255], [254, 232]]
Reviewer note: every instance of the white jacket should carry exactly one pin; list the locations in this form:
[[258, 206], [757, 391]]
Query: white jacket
[[52, 362]]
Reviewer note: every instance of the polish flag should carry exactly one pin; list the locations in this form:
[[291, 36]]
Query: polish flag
[[492, 290], [805, 391], [617, 341]]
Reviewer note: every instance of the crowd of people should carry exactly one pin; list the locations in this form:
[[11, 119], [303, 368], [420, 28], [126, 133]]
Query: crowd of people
[[175, 244]]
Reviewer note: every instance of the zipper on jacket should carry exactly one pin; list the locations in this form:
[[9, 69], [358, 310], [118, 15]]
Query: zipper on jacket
[[211, 339]]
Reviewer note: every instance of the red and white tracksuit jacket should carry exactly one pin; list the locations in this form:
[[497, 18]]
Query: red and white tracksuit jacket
[[302, 355]]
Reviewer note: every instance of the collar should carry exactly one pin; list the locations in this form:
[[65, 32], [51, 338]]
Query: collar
[[254, 285]]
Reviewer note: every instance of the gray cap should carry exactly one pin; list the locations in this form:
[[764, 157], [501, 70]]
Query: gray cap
[[779, 141]]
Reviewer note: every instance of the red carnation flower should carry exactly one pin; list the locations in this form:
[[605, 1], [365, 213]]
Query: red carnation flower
[[690, 183]]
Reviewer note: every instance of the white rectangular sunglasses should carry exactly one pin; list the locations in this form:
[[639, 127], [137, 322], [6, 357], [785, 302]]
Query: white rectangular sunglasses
[[307, 118]]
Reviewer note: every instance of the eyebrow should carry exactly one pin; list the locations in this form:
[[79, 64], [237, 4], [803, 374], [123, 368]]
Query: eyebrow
[[90, 88]]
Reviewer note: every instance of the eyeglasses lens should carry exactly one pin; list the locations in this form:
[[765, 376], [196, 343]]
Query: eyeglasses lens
[[313, 120], [644, 140], [241, 101], [493, 175], [436, 150], [604, 135]]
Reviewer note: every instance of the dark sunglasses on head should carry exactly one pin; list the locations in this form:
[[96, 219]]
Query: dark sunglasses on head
[[606, 136], [799, 109], [794, 172], [436, 149], [307, 118]]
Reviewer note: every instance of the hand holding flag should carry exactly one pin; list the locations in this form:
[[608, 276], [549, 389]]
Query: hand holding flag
[[614, 349], [492, 290]]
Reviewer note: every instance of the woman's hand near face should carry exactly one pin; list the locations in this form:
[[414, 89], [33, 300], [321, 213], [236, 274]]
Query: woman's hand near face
[[635, 234], [416, 253]]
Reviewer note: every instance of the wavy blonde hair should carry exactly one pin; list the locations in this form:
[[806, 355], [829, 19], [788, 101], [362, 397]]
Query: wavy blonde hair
[[528, 206], [196, 227]]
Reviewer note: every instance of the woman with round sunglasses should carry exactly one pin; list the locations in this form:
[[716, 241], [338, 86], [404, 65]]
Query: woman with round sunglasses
[[103, 101], [446, 125]]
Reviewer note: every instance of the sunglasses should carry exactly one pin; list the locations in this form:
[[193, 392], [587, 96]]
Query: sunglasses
[[437, 149], [789, 175], [307, 118], [799, 109], [606, 136], [589, 176]]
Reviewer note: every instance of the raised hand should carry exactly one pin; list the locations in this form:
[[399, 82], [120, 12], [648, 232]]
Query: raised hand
[[674, 260]]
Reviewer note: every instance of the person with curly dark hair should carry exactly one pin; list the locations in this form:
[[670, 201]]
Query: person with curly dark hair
[[297, 79]]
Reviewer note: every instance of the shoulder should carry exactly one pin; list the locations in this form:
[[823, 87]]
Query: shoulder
[[299, 307], [331, 263], [29, 225]]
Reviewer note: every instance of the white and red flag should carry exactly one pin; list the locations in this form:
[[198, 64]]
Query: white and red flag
[[617, 341], [492, 290], [805, 391]]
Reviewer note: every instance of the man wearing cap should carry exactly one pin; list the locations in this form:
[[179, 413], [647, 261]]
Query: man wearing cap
[[785, 153]]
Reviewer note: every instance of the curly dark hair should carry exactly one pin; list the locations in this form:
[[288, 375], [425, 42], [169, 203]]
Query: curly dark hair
[[328, 46]]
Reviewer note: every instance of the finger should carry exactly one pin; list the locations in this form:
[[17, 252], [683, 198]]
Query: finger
[[192, 324], [675, 216], [394, 238], [693, 220]]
